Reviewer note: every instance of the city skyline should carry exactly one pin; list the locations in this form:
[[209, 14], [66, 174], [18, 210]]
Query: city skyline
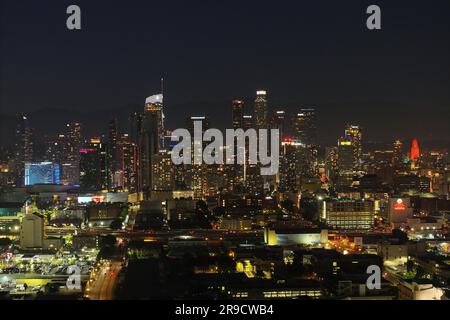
[[388, 77], [223, 156]]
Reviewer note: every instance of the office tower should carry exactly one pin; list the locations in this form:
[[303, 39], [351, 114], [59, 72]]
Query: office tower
[[113, 144], [163, 172], [64, 150], [278, 121], [128, 157], [23, 147], [196, 174], [351, 215], [354, 134], [331, 162], [71, 167], [237, 113], [248, 122], [94, 166], [134, 126], [261, 110], [154, 105], [297, 165], [41, 173], [125, 176], [345, 155], [151, 139], [345, 163], [415, 150], [398, 153], [290, 163], [305, 128]]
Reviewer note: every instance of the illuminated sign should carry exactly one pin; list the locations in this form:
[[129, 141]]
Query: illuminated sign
[[399, 205], [88, 199]]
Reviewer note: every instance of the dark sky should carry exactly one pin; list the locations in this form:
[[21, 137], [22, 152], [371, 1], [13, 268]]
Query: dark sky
[[395, 82]]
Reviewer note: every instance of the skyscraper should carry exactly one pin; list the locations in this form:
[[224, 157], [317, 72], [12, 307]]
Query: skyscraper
[[154, 106], [354, 133], [345, 156], [305, 128], [94, 166], [151, 140], [23, 147], [415, 150], [237, 113], [398, 153], [65, 151], [261, 109], [197, 173], [125, 177], [278, 121], [113, 143]]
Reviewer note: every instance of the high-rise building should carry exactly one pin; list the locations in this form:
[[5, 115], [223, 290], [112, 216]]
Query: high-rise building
[[415, 150], [23, 147], [41, 173], [261, 109], [237, 113], [134, 126], [305, 128], [125, 176], [354, 134], [113, 144], [154, 106], [70, 161], [197, 173], [345, 214], [163, 172], [345, 156], [64, 150], [248, 122], [151, 141], [94, 166], [297, 164], [278, 121], [398, 153]]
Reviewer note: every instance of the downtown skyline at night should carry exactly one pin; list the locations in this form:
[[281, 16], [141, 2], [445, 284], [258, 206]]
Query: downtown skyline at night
[[227, 158]]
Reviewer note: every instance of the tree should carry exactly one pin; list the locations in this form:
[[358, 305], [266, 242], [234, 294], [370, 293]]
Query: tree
[[400, 235]]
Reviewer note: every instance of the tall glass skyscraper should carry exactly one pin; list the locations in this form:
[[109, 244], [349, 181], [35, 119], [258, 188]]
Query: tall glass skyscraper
[[261, 109]]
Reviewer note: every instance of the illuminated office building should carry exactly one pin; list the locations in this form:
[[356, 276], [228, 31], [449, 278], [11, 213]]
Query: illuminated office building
[[154, 106], [23, 147], [64, 150], [196, 174], [354, 134], [163, 172], [237, 113], [398, 153], [304, 126], [261, 109], [151, 140], [415, 150], [350, 215], [278, 121], [125, 176], [94, 166]]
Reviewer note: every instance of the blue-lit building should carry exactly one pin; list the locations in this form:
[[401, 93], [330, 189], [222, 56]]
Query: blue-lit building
[[41, 173]]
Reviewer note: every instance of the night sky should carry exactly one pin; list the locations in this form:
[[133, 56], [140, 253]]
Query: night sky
[[394, 82]]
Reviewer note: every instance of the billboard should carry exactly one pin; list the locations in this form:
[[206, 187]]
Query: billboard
[[41, 173]]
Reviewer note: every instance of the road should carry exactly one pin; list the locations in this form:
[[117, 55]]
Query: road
[[102, 285]]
